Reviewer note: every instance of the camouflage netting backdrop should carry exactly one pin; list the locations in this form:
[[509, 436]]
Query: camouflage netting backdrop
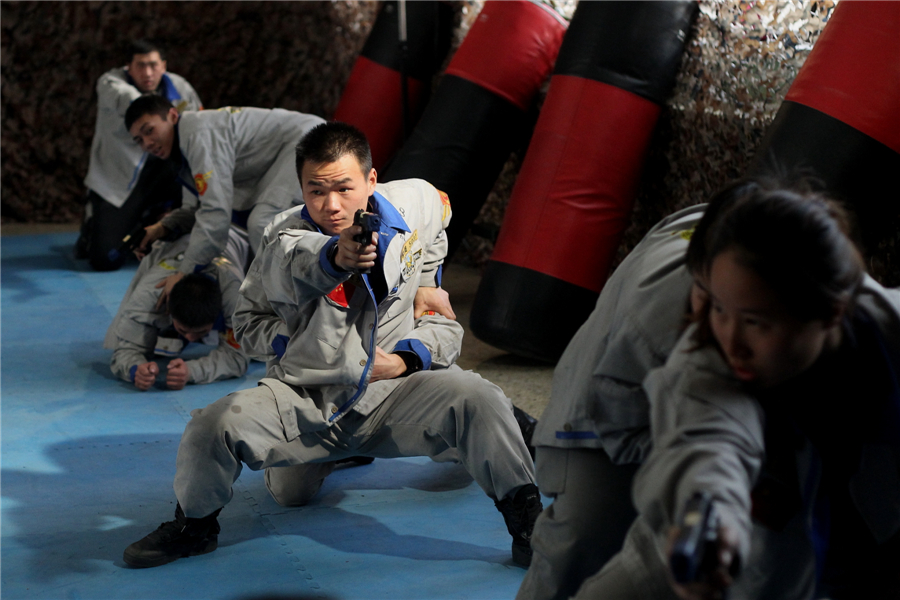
[[739, 63]]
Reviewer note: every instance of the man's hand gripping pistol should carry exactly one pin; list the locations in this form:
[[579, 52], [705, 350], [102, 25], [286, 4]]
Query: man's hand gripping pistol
[[370, 223]]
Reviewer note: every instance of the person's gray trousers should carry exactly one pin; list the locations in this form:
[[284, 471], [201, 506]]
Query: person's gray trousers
[[429, 414]]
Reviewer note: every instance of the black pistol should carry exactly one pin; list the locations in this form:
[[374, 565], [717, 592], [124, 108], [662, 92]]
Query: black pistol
[[131, 241], [370, 223], [695, 552]]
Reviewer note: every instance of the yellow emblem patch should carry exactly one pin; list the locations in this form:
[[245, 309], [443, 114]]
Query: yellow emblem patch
[[229, 339], [685, 234], [409, 258], [200, 180], [165, 263]]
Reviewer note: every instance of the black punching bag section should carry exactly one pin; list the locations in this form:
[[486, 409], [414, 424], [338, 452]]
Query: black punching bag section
[[406, 47], [572, 200], [841, 118], [479, 109]]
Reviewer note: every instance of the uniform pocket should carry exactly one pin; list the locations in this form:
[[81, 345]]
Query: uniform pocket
[[298, 413]]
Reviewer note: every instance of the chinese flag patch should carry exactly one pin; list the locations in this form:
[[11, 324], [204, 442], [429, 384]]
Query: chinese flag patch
[[342, 294]]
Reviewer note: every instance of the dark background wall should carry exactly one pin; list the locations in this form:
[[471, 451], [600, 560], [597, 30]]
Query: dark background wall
[[739, 63], [294, 55]]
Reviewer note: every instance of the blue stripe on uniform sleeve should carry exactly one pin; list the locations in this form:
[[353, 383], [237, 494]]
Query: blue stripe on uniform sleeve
[[325, 263], [417, 348]]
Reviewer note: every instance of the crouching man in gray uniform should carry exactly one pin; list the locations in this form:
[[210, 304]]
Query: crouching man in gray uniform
[[350, 371], [123, 181], [199, 309], [228, 160]]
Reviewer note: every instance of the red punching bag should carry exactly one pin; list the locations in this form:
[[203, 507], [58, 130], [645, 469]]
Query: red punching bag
[[372, 100], [573, 197], [841, 118], [478, 111]]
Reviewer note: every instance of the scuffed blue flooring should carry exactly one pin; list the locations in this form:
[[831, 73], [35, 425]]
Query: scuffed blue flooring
[[88, 462]]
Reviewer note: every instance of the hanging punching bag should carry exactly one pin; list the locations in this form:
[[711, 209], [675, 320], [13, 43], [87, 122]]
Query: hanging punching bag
[[478, 111], [372, 100], [573, 197], [841, 116]]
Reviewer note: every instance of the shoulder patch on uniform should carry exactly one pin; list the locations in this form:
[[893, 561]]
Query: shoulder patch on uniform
[[200, 180], [230, 339], [410, 257], [170, 267], [181, 106], [685, 234], [445, 201]]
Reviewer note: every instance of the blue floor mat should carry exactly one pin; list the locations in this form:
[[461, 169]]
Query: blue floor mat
[[88, 463]]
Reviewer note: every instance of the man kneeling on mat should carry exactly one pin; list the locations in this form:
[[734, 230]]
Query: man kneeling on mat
[[353, 368], [199, 309]]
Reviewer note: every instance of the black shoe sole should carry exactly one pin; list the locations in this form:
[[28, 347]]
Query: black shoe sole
[[135, 558], [356, 460], [521, 556]]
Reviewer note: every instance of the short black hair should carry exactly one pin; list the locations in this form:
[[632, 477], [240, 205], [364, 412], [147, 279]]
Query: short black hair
[[147, 104], [329, 142], [142, 47], [195, 301]]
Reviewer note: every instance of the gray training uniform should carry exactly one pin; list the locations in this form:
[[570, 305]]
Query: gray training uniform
[[596, 425], [134, 334], [318, 329], [116, 161], [235, 159], [708, 434]]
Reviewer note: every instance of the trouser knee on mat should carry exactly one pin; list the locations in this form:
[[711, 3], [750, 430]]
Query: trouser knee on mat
[[296, 485]]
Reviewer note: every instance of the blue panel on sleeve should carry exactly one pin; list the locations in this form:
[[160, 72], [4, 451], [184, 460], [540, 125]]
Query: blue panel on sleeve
[[440, 275], [417, 348], [279, 344], [325, 263], [131, 372]]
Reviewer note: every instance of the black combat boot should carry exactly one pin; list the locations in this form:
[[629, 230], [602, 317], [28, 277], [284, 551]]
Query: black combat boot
[[175, 539], [520, 513]]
